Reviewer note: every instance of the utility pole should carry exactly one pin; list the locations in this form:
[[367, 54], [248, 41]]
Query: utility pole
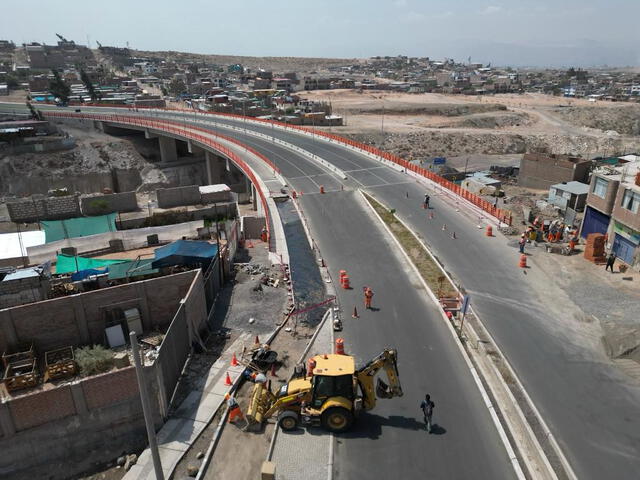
[[146, 407]]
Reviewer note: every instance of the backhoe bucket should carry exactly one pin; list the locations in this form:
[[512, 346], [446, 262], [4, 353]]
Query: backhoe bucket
[[383, 390], [260, 402]]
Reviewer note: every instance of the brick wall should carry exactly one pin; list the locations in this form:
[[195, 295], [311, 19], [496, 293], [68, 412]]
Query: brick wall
[[52, 208], [79, 319], [178, 196], [622, 215], [605, 205], [110, 388], [540, 171], [114, 202], [41, 407]]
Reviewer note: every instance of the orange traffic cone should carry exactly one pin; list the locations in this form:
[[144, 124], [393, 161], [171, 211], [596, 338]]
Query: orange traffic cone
[[227, 380], [234, 360], [321, 188], [257, 341], [355, 313], [489, 232]]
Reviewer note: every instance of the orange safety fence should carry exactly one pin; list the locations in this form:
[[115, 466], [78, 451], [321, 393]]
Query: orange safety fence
[[502, 215], [187, 132]]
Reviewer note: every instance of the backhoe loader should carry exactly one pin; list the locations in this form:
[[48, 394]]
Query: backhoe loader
[[331, 393]]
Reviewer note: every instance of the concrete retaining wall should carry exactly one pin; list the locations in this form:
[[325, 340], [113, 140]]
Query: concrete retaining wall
[[114, 202], [178, 196], [51, 208], [252, 226]]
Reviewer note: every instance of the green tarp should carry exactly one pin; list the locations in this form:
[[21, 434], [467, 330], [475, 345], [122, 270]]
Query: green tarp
[[70, 264], [130, 269], [55, 230]]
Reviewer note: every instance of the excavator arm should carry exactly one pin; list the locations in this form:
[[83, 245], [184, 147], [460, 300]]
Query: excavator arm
[[387, 360]]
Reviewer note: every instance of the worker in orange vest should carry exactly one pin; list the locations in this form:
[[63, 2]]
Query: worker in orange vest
[[263, 234], [368, 295], [234, 408]]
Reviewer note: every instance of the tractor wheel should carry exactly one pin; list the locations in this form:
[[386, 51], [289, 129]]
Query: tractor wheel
[[288, 420], [337, 419]]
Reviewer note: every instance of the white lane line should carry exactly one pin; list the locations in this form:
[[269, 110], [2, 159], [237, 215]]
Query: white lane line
[[364, 169]]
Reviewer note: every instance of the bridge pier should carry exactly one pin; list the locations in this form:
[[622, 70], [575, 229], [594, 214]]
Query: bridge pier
[[168, 150]]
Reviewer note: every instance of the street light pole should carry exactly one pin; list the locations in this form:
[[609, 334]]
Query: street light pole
[[146, 407]]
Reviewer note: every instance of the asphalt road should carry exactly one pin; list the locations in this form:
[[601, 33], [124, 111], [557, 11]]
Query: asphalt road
[[592, 409]]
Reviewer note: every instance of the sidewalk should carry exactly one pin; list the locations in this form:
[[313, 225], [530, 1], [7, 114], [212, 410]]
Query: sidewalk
[[193, 415], [307, 449]]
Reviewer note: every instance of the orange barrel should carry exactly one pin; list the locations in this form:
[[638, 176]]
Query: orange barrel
[[345, 282], [311, 364], [321, 188], [489, 232], [339, 346], [343, 273], [523, 261]]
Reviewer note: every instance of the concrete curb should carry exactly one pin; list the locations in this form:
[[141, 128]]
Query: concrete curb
[[503, 436]]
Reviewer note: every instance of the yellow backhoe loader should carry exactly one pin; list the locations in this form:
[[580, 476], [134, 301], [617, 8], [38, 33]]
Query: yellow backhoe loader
[[331, 395]]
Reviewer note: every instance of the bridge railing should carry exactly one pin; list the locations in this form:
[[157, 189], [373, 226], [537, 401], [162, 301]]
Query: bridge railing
[[176, 128]]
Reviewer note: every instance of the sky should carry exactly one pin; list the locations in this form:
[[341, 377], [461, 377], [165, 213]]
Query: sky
[[516, 32]]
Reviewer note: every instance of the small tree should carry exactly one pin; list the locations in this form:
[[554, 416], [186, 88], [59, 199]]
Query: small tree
[[177, 87], [58, 88], [90, 88]]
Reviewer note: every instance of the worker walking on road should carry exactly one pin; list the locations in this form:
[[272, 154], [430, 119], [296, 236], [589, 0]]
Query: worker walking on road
[[611, 260], [368, 296], [427, 406], [522, 243], [426, 201]]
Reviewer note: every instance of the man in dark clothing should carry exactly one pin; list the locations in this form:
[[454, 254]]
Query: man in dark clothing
[[427, 410], [426, 201], [611, 259]]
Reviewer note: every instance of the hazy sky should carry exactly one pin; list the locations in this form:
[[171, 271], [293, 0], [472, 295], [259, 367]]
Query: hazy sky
[[515, 32]]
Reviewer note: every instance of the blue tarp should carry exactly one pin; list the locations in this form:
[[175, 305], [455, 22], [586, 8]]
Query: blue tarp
[[82, 274], [185, 252]]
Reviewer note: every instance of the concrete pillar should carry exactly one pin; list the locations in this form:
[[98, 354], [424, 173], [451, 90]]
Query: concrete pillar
[[81, 319], [215, 168], [6, 421], [254, 197], [78, 398], [141, 292], [168, 150]]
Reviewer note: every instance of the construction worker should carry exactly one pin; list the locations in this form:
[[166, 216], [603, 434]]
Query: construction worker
[[522, 242], [368, 296], [263, 234], [426, 201], [234, 408]]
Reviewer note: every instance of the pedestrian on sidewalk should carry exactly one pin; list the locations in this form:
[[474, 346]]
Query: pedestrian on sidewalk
[[522, 243], [611, 259], [427, 406], [368, 296]]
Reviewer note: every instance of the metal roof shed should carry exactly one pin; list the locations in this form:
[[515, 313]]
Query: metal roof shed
[[185, 252]]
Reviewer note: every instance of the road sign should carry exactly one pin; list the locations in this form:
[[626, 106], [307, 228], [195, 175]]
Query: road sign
[[465, 304]]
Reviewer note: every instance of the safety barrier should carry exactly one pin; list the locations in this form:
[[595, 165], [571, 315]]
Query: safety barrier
[[169, 126]]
